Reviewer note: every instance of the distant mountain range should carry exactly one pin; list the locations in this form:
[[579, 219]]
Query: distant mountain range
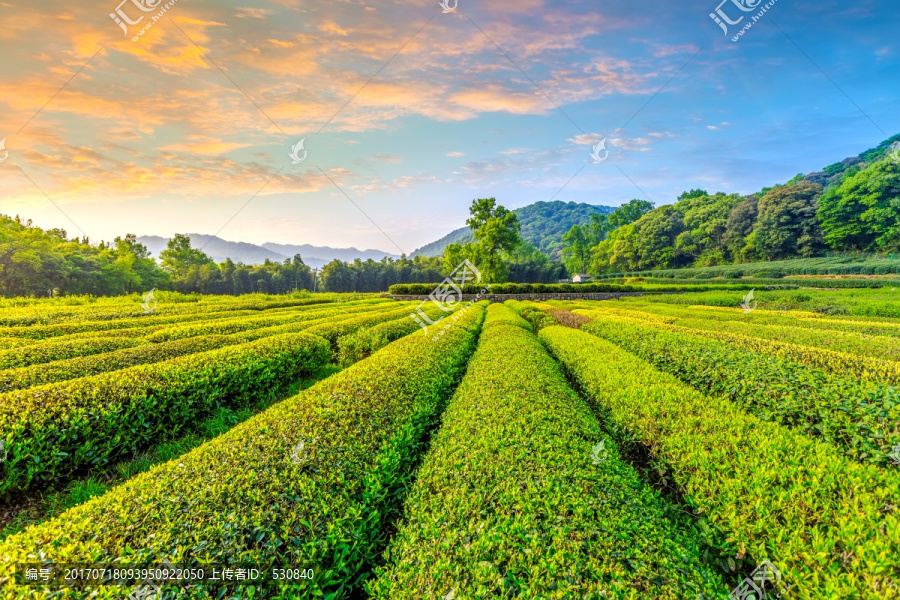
[[252, 254], [543, 224]]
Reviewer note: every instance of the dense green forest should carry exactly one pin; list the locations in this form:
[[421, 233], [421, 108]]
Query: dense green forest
[[850, 206]]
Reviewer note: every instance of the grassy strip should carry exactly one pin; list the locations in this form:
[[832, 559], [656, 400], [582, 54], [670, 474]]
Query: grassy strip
[[23, 513], [52, 350], [312, 482], [829, 524], [859, 418], [532, 313], [516, 497], [54, 430], [86, 366]]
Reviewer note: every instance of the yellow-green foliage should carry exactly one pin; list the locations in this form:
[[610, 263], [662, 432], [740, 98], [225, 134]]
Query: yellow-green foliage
[[52, 430], [268, 319], [859, 417], [357, 345], [501, 314], [313, 482], [332, 329], [167, 304], [85, 366], [61, 349], [522, 495], [825, 521]]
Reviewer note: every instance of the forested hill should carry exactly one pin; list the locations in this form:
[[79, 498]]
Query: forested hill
[[543, 225]]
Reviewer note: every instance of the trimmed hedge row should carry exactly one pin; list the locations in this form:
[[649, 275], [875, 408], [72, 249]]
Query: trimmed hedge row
[[236, 325], [55, 429], [312, 482], [86, 366], [357, 345], [825, 521], [532, 313], [860, 418], [113, 327], [509, 501], [875, 347], [51, 350], [424, 289], [499, 314], [130, 308], [807, 320], [844, 353], [332, 329]]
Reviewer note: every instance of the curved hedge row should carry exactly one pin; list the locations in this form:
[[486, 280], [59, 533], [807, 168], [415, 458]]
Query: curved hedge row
[[858, 417], [112, 327], [236, 325], [311, 482], [357, 345], [51, 350], [882, 348], [86, 366], [499, 314], [509, 501], [125, 308], [52, 430], [822, 519], [332, 329]]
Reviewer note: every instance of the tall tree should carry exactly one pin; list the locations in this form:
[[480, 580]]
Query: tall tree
[[629, 213], [787, 224], [496, 231], [577, 250], [179, 258], [863, 212]]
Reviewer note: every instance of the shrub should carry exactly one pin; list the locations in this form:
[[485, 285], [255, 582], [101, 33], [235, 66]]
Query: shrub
[[816, 515], [85, 366], [518, 497], [55, 429], [313, 482], [51, 350], [857, 416]]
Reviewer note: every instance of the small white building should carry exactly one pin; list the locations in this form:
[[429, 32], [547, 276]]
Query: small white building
[[563, 281], [581, 278]]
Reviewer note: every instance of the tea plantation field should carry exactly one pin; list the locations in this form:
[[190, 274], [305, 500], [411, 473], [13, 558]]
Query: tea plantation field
[[679, 446]]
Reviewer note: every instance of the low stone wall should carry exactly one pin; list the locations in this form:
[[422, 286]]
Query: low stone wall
[[532, 297]]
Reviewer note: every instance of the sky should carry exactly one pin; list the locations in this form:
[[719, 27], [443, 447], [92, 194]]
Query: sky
[[408, 110]]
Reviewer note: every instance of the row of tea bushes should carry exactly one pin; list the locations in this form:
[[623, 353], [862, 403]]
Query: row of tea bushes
[[165, 304], [825, 521], [859, 417], [50, 431], [312, 482], [522, 495], [86, 366], [62, 349]]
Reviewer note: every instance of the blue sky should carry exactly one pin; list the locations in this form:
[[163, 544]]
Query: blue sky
[[177, 131]]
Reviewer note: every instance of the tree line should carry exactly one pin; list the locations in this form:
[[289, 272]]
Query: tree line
[[851, 206], [37, 262]]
